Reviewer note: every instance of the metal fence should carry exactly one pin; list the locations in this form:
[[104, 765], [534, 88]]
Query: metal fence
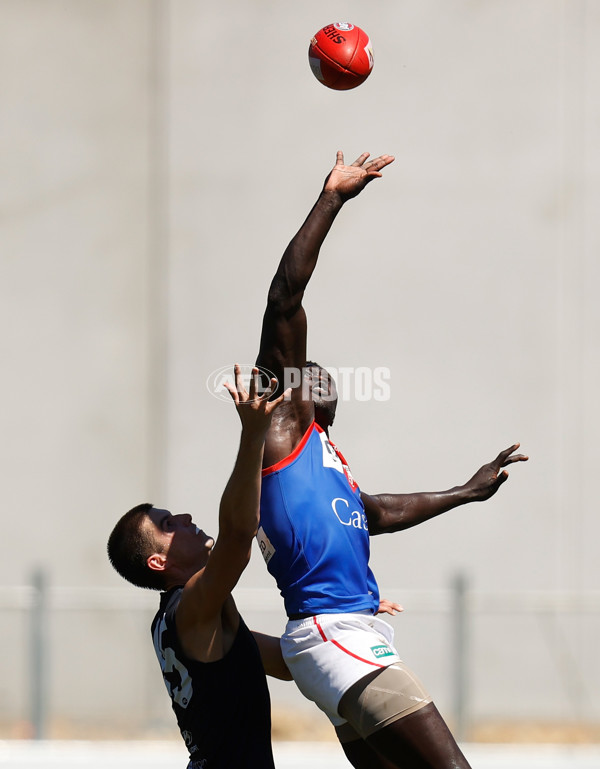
[[82, 656]]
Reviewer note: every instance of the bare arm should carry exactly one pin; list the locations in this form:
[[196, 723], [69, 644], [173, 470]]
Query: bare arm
[[206, 591], [283, 338], [272, 659], [387, 513]]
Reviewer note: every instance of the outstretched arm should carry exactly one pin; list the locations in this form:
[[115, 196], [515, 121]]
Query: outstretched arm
[[387, 513], [206, 591], [283, 338]]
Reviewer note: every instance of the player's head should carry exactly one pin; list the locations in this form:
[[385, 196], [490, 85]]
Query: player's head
[[323, 392], [152, 548]]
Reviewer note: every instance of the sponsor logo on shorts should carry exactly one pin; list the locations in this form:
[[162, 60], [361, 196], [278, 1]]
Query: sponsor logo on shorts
[[382, 651]]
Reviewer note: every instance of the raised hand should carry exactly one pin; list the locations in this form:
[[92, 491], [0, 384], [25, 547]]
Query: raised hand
[[488, 479], [255, 410], [348, 181]]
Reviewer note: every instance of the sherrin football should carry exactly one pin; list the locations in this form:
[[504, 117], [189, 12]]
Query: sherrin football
[[341, 56]]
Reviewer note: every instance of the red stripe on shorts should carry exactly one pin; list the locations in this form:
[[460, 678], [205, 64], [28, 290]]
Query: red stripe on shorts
[[343, 649], [320, 629]]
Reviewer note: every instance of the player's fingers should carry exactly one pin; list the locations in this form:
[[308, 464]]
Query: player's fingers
[[381, 162], [269, 390], [239, 382], [237, 378], [503, 455], [284, 396], [503, 476], [232, 391], [339, 158], [388, 607], [360, 160], [253, 383], [395, 606], [516, 458]]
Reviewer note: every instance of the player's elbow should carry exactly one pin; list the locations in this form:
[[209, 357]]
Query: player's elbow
[[376, 526]]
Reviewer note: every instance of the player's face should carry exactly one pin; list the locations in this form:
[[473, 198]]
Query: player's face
[[179, 539], [323, 393]]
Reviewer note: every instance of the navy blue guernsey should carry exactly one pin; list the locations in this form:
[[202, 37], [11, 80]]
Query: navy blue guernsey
[[223, 708], [313, 531]]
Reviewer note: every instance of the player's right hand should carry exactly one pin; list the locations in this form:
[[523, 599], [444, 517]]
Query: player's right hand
[[348, 181]]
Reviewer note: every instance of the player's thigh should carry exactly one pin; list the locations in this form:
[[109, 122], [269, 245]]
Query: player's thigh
[[362, 755], [382, 697], [393, 713], [423, 738]]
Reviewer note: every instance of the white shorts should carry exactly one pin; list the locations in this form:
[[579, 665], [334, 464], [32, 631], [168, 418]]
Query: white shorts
[[328, 653]]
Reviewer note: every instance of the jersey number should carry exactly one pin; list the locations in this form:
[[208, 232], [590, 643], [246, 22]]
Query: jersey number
[[175, 674]]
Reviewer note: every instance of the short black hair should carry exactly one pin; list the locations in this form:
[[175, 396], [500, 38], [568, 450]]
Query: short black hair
[[129, 547]]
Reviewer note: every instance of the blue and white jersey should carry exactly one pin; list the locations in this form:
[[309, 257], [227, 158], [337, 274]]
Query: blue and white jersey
[[313, 531]]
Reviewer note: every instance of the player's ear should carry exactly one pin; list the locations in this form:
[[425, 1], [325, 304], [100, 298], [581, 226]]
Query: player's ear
[[157, 562]]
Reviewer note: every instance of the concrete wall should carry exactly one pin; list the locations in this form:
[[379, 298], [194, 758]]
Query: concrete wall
[[156, 159]]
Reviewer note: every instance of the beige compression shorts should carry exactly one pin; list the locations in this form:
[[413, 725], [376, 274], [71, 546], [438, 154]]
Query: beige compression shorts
[[380, 699]]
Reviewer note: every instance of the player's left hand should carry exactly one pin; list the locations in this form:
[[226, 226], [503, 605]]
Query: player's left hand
[[389, 607], [488, 479], [255, 410]]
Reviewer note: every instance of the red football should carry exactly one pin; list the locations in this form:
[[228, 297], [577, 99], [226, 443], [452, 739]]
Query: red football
[[341, 56]]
